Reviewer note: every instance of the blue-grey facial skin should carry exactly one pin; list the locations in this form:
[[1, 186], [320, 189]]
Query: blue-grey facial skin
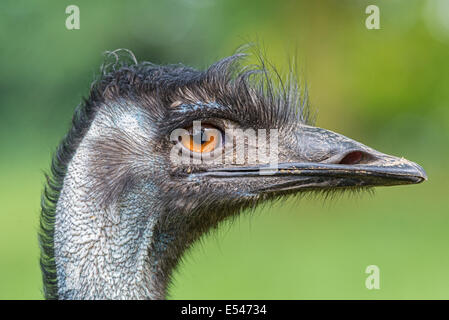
[[119, 213]]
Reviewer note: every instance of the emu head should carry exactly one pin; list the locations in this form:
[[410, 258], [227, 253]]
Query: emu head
[[159, 155]]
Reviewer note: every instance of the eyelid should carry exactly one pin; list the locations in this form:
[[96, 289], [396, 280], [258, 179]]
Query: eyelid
[[184, 120]]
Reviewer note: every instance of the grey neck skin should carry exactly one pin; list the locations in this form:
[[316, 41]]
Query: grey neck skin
[[104, 254], [105, 251]]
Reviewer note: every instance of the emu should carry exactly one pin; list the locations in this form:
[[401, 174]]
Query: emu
[[118, 211]]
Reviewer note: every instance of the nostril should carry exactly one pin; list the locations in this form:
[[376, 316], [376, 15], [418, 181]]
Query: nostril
[[353, 157]]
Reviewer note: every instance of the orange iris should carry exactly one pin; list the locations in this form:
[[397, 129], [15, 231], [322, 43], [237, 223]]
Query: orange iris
[[205, 140]]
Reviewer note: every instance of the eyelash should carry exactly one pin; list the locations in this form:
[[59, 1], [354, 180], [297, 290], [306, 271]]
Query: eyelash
[[186, 122]]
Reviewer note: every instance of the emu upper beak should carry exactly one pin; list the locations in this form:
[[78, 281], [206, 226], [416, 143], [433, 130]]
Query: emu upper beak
[[330, 160]]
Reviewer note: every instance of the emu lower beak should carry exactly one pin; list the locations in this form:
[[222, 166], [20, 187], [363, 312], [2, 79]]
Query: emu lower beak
[[332, 161]]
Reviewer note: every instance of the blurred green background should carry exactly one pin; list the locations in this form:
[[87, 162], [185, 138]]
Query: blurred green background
[[387, 88]]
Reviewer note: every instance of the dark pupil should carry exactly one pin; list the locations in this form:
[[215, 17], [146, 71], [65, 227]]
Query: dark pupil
[[200, 138]]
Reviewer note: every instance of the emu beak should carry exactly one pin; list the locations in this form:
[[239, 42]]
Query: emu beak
[[330, 160]]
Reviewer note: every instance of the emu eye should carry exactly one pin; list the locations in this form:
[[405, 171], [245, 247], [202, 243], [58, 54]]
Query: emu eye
[[202, 139]]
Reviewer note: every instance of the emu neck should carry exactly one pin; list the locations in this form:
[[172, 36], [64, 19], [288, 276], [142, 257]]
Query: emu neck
[[107, 253], [108, 249]]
